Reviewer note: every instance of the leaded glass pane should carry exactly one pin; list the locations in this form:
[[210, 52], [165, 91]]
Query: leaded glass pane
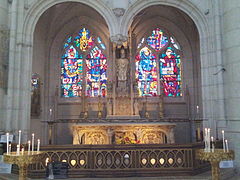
[[157, 40], [84, 41], [146, 72], [96, 72], [170, 73]]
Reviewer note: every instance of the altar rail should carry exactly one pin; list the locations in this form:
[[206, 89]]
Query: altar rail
[[123, 160]]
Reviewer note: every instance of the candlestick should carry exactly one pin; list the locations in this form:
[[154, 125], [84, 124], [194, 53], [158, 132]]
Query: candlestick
[[29, 144], [19, 137], [224, 149], [10, 148], [226, 145], [38, 145], [7, 143], [32, 142]]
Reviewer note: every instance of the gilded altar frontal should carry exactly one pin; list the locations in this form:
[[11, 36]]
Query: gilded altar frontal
[[124, 88]]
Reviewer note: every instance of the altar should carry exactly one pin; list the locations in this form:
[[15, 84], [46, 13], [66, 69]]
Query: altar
[[123, 133]]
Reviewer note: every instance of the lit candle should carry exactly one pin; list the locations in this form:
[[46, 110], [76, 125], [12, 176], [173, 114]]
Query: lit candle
[[226, 145], [19, 137], [32, 142], [224, 149], [197, 109], [7, 143], [50, 111], [29, 144], [22, 151], [38, 145], [10, 148]]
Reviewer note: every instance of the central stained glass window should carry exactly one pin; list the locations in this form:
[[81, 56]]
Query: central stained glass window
[[83, 66]]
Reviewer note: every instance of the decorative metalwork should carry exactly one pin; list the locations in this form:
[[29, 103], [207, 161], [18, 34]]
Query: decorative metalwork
[[214, 158], [124, 159], [23, 160]]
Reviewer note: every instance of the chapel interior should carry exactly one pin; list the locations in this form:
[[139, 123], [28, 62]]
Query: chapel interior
[[119, 89]]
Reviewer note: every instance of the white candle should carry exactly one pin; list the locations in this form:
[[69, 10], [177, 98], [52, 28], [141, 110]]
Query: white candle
[[22, 151], [208, 139], [29, 144], [224, 149], [18, 149], [226, 145], [38, 145], [212, 144], [10, 148], [50, 111], [7, 143], [197, 109], [19, 137], [32, 142]]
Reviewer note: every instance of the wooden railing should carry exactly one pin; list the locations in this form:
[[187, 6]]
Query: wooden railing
[[123, 160]]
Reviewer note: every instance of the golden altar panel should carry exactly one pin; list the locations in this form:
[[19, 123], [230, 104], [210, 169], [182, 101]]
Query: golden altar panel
[[123, 133]]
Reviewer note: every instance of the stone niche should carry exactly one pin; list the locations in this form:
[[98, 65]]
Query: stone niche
[[123, 133]]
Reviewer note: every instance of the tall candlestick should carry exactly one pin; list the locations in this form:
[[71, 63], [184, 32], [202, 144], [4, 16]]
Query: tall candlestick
[[29, 144], [32, 142], [226, 145], [19, 137], [7, 143], [38, 145], [224, 149]]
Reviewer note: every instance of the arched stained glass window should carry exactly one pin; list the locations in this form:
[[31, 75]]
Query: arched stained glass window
[[96, 66], [170, 72], [165, 48], [146, 72], [74, 63]]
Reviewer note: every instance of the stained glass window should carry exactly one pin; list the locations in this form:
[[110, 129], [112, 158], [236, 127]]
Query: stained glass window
[[146, 72], [72, 73], [165, 47], [96, 66], [170, 72], [157, 40], [73, 64]]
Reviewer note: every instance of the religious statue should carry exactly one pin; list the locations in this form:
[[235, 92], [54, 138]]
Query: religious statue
[[35, 95], [122, 66]]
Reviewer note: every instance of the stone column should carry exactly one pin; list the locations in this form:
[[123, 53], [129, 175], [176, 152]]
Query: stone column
[[4, 38]]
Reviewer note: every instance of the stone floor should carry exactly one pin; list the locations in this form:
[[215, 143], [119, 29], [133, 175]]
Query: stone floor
[[226, 174]]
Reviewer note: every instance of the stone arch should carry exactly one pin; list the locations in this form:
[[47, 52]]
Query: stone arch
[[205, 37], [40, 7]]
